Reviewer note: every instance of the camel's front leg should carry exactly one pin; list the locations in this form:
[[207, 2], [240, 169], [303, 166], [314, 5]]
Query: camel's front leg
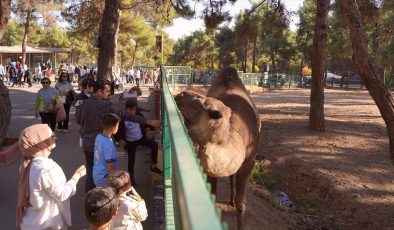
[[213, 181], [240, 196], [232, 193]]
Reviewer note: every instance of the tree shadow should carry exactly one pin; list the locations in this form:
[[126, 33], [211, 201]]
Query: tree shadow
[[347, 168]]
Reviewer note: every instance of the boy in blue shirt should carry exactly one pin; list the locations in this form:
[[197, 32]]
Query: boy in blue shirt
[[105, 153]]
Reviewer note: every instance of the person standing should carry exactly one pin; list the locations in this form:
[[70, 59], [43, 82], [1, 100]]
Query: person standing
[[13, 74], [131, 135], [2, 72], [67, 95], [43, 198], [37, 73], [100, 206], [89, 116], [44, 97], [105, 153], [137, 76], [130, 75], [132, 208]]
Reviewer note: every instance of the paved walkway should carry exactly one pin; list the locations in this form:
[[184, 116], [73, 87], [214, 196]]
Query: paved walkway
[[69, 156]]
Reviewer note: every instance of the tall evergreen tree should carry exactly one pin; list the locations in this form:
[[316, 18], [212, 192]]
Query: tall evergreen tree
[[379, 92], [316, 114]]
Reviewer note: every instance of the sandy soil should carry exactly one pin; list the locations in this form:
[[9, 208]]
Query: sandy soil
[[345, 174]]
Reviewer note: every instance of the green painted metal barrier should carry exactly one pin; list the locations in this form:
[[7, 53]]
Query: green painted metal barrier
[[188, 202]]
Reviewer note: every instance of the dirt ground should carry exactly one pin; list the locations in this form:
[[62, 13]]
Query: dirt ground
[[344, 175]]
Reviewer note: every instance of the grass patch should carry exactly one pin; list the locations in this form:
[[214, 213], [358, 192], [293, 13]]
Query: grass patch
[[307, 206], [270, 183], [263, 194], [260, 175]]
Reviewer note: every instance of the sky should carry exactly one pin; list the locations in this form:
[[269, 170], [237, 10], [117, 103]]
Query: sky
[[183, 27]]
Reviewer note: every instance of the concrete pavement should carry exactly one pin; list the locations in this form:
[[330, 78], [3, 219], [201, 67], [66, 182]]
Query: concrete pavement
[[69, 156]]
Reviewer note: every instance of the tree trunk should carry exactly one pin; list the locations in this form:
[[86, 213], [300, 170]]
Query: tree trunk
[[135, 52], [303, 58], [5, 112], [5, 103], [254, 54], [316, 114], [108, 39], [273, 61], [26, 35], [379, 92], [5, 10], [245, 56]]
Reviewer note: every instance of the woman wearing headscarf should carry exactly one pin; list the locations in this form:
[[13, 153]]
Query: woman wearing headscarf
[[43, 199], [67, 95]]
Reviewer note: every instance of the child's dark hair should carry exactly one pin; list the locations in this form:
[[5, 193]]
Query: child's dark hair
[[109, 120], [119, 180], [100, 84], [87, 82], [100, 205], [131, 103]]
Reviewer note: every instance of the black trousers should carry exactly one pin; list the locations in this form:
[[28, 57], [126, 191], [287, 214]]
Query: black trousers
[[131, 148], [50, 119], [64, 124], [89, 183]]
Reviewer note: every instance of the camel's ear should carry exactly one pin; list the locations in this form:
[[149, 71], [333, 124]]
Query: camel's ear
[[215, 114]]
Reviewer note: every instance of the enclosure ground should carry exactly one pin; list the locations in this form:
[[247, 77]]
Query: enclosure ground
[[344, 175]]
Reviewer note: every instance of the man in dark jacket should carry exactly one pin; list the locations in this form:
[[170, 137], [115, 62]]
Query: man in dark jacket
[[12, 73]]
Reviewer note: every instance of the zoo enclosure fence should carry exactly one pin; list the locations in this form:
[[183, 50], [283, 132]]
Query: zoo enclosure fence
[[183, 76]]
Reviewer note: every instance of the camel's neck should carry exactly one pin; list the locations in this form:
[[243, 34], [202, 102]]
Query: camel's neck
[[223, 159], [215, 133]]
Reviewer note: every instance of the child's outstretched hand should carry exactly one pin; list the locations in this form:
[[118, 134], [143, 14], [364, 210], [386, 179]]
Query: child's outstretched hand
[[80, 172]]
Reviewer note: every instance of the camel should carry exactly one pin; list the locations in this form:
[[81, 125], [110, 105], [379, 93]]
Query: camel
[[224, 126]]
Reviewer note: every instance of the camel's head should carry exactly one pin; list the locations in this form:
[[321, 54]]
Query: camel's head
[[206, 118]]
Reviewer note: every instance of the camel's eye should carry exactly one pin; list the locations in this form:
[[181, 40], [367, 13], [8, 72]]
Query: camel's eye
[[215, 114]]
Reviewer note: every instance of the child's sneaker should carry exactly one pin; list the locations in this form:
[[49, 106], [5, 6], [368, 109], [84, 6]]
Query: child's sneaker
[[156, 170]]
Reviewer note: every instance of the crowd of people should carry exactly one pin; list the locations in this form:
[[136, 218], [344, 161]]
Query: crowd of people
[[111, 200]]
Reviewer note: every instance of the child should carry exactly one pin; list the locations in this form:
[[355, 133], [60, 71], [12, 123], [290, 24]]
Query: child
[[130, 133], [105, 153], [101, 205], [132, 209]]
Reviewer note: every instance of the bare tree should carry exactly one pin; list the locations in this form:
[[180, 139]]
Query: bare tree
[[379, 92], [316, 114]]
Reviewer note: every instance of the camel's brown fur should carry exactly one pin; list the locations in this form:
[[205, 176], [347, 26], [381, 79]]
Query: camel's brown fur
[[224, 125]]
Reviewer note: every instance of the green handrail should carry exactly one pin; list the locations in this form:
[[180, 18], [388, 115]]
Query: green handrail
[[188, 202]]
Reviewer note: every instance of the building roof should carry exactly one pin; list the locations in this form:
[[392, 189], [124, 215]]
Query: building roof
[[37, 50]]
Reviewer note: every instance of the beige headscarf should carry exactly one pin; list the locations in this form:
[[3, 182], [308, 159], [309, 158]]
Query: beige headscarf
[[34, 141]]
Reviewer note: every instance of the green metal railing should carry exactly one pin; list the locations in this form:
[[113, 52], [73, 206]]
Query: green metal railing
[[188, 202]]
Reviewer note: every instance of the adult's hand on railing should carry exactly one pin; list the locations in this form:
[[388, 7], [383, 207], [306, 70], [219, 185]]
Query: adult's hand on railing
[[154, 123]]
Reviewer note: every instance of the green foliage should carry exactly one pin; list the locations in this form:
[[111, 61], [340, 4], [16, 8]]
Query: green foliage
[[305, 31], [260, 175], [197, 50], [307, 206], [263, 194], [13, 34]]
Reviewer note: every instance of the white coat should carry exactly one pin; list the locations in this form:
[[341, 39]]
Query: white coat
[[130, 214], [49, 196]]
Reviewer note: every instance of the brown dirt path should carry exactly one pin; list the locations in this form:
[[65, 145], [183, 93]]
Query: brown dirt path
[[345, 172]]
